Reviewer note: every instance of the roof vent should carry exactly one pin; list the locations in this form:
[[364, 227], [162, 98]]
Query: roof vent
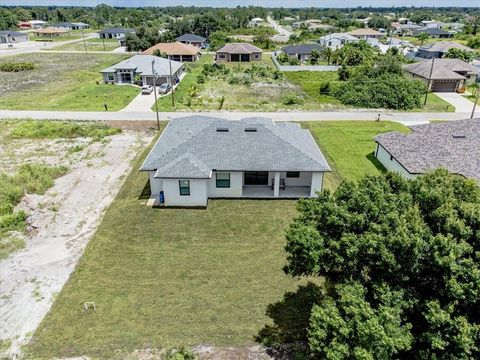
[[222, 129], [459, 134], [251, 129]]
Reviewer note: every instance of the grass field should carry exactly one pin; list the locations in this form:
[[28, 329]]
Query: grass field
[[349, 147], [65, 37], [92, 45], [63, 82], [436, 104]]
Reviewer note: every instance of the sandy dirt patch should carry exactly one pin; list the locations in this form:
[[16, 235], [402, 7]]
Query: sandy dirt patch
[[61, 222]]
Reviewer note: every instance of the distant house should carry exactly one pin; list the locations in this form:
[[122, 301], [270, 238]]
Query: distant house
[[51, 32], [24, 25], [176, 51], [126, 71], [37, 24], [197, 158], [239, 52], [255, 22], [301, 52], [114, 33], [407, 29], [432, 24], [438, 49], [192, 39], [336, 40], [71, 25], [452, 145], [366, 34], [436, 33], [448, 75], [324, 27], [12, 37]]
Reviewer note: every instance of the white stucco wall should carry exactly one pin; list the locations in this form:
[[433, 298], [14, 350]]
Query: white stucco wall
[[317, 183], [303, 180], [155, 184], [390, 163], [198, 193], [235, 189]]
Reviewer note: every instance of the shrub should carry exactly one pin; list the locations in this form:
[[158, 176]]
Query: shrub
[[292, 99], [201, 78], [325, 87], [282, 58], [293, 61], [17, 66], [61, 129]]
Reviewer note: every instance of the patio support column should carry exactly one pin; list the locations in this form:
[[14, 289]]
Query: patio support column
[[316, 184], [276, 184]]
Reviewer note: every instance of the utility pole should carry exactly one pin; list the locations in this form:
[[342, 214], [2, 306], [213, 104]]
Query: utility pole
[[475, 104], [103, 40], [84, 42], [155, 92], [171, 82], [429, 82]]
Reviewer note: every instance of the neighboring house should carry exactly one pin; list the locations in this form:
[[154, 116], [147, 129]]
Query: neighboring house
[[435, 33], [37, 24], [336, 40], [302, 51], [24, 25], [324, 27], [366, 34], [255, 22], [438, 49], [448, 75], [431, 24], [12, 37], [51, 32], [71, 25], [241, 52], [114, 33], [452, 145], [192, 39], [407, 29], [197, 158], [126, 71], [176, 51]]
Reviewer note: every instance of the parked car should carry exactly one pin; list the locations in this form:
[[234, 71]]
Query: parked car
[[164, 88], [147, 89]]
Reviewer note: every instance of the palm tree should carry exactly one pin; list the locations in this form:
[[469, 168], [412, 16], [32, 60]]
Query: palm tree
[[422, 37]]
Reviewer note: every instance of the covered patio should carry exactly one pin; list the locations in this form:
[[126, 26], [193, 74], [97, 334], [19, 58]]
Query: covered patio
[[290, 192]]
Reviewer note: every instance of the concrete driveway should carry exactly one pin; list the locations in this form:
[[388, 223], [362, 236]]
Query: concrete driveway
[[141, 103], [462, 104]]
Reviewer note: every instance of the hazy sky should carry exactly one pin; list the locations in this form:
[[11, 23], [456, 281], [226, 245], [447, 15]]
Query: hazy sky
[[266, 3]]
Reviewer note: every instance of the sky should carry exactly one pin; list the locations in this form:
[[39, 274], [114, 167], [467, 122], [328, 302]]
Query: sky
[[265, 3]]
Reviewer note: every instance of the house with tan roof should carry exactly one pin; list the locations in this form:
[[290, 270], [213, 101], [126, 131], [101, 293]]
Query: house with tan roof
[[239, 52], [175, 51], [447, 75], [366, 34], [51, 32]]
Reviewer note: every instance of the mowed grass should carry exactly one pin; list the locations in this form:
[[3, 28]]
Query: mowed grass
[[436, 104], [92, 45], [171, 277], [349, 147], [62, 81]]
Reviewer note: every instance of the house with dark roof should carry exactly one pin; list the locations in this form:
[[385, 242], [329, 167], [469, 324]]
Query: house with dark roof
[[452, 145], [435, 33], [150, 69], [447, 75], [12, 37], [438, 49], [71, 25], [302, 51], [175, 51], [239, 52], [336, 40], [114, 33], [192, 39], [197, 158]]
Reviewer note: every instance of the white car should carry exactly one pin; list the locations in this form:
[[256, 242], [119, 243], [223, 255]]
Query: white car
[[147, 89]]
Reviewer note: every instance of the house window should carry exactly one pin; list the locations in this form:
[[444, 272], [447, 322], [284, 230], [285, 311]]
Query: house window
[[184, 187], [293, 174], [223, 180], [110, 77]]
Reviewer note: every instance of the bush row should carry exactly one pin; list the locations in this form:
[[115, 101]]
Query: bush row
[[17, 66]]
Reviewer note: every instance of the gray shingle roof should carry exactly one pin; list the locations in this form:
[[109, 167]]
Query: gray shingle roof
[[239, 48], [301, 48], [444, 46], [142, 64], [116, 31], [12, 33], [433, 31], [443, 69], [191, 147], [191, 38], [437, 145]]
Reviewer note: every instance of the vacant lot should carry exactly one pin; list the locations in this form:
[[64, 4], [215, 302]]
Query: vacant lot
[[63, 82], [92, 45], [349, 147]]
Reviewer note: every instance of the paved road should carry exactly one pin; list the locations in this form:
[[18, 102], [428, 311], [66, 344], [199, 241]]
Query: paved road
[[461, 103], [408, 118], [283, 34]]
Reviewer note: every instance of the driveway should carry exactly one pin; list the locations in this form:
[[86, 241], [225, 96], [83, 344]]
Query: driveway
[[140, 103], [462, 104]]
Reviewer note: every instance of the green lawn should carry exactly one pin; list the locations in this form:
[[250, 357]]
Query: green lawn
[[65, 37], [171, 277], [63, 81], [349, 147], [92, 45], [472, 90], [436, 104]]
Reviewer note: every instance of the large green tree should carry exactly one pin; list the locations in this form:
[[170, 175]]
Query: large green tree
[[402, 263]]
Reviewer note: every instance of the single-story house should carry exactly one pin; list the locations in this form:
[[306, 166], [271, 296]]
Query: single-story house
[[197, 158], [407, 29], [438, 49], [366, 33], [141, 66], [448, 75], [432, 24], [242, 52], [24, 25], [302, 51], [37, 24], [255, 22], [452, 145], [192, 39], [71, 25], [51, 32], [114, 33], [336, 40], [322, 27], [175, 51], [12, 37], [436, 33]]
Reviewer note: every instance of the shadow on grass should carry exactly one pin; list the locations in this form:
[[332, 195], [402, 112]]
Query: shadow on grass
[[287, 337], [145, 194], [371, 157]]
